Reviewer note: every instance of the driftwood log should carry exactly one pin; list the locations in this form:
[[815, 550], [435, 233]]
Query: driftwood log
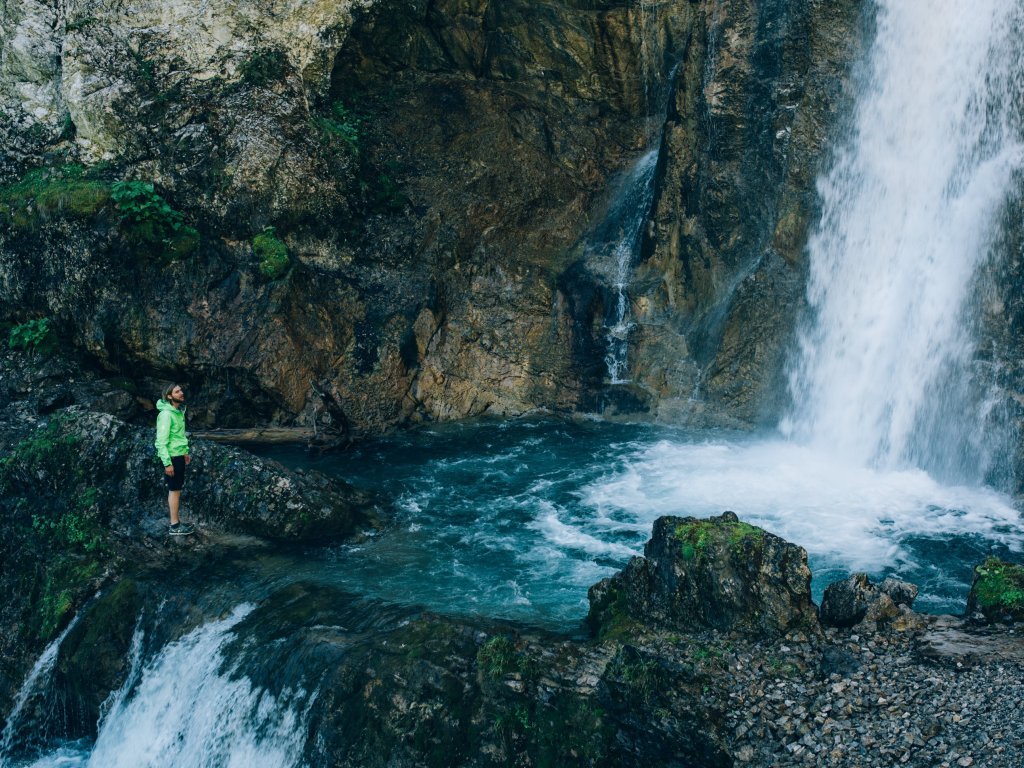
[[265, 435]]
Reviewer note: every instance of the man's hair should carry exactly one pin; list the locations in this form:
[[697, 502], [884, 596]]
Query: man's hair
[[168, 389]]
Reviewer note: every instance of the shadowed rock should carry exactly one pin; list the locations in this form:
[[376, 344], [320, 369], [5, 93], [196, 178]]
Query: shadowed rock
[[719, 572], [856, 599]]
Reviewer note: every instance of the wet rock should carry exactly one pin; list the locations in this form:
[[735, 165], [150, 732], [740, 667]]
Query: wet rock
[[855, 599], [718, 572]]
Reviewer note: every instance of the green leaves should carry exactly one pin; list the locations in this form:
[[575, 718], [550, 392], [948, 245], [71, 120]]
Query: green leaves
[[149, 220], [32, 336], [341, 128]]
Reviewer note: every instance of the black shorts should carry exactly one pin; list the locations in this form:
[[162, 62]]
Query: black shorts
[[177, 482]]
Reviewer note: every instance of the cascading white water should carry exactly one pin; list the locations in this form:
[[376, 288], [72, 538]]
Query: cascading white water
[[188, 707], [40, 672], [886, 374], [624, 223]]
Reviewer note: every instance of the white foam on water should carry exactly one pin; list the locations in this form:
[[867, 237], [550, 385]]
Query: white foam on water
[[852, 515], [887, 373], [568, 536], [189, 710]]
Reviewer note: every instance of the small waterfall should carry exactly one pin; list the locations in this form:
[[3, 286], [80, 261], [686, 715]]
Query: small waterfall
[[37, 677], [888, 372], [188, 706], [617, 241]]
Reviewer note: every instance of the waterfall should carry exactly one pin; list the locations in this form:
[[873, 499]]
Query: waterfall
[[189, 706], [38, 675], [888, 371], [618, 240]]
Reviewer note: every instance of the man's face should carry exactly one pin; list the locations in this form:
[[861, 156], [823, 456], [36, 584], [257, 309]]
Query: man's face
[[178, 395]]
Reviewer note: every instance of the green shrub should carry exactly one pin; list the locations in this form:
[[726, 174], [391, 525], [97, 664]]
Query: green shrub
[[44, 193], [999, 589], [264, 67], [33, 336], [341, 128], [149, 220], [272, 253]]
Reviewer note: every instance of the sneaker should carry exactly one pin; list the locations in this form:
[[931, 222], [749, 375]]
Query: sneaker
[[181, 529]]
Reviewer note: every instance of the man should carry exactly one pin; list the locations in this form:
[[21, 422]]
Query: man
[[172, 448]]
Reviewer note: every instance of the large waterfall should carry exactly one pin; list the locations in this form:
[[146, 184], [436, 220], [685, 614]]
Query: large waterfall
[[889, 373]]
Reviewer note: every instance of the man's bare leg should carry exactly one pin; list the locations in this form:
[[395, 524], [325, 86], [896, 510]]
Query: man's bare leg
[[173, 502]]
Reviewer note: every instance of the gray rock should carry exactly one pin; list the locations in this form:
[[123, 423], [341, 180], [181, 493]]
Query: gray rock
[[718, 572], [855, 599]]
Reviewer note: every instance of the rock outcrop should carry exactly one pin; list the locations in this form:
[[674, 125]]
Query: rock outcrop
[[997, 592], [369, 213], [717, 573], [84, 503]]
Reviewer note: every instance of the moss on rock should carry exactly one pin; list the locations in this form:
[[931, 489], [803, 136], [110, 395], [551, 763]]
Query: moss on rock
[[48, 192], [272, 253], [998, 590]]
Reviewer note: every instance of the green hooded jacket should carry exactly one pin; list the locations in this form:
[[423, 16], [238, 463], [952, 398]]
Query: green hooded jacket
[[170, 432]]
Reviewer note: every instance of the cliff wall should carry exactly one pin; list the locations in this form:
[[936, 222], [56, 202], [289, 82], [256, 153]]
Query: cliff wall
[[366, 214]]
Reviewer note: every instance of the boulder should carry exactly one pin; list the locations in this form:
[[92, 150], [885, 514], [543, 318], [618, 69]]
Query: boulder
[[997, 592], [855, 599], [716, 573]]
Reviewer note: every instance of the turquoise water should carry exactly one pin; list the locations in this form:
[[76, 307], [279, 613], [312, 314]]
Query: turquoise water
[[516, 519]]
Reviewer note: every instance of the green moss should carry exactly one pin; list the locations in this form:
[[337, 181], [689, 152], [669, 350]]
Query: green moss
[[616, 622], [272, 253], [45, 193], [999, 588], [696, 536], [65, 582], [36, 473]]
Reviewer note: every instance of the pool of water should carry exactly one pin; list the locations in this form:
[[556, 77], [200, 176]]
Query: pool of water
[[516, 519]]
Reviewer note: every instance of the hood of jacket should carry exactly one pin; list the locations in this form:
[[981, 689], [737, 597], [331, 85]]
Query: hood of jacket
[[163, 405]]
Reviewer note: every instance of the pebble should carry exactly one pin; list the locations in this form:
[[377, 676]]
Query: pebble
[[902, 710]]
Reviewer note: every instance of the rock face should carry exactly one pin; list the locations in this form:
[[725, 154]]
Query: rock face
[[719, 573], [762, 88], [855, 599], [430, 173], [84, 502]]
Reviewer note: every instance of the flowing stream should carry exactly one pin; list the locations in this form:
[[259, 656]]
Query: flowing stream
[[618, 240]]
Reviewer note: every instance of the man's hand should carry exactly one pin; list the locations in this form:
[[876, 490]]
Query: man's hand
[[169, 470], [188, 459]]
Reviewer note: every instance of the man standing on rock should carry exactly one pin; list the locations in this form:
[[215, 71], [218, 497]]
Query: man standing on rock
[[172, 448]]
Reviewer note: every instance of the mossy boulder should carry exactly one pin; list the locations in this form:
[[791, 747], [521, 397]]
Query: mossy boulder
[[720, 573], [997, 591]]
